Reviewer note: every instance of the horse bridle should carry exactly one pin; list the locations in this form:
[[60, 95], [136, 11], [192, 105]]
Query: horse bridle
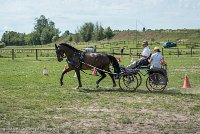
[[61, 53]]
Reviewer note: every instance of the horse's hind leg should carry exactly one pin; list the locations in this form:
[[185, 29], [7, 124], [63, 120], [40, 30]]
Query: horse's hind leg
[[103, 75], [112, 77]]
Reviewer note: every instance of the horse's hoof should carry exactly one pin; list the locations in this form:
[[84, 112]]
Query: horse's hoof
[[97, 86], [78, 87], [61, 83], [114, 85]]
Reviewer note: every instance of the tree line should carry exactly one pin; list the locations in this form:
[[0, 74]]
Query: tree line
[[45, 32]]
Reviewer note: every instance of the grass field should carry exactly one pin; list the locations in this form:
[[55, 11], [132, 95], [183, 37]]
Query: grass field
[[33, 103]]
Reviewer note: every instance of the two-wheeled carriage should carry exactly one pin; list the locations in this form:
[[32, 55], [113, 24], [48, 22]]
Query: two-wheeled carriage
[[131, 79]]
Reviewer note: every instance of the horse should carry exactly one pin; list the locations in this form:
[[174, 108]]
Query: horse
[[78, 60]]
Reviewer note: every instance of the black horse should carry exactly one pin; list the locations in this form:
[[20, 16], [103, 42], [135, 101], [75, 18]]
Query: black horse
[[78, 60]]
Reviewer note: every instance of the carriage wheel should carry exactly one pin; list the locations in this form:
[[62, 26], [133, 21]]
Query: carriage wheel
[[156, 82], [139, 77], [128, 82]]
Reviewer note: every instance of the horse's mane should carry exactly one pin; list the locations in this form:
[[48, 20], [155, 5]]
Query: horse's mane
[[69, 46]]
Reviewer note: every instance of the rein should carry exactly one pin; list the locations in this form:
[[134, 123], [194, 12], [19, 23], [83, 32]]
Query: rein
[[96, 68]]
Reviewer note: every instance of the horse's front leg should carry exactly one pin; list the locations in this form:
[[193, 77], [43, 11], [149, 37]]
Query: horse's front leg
[[62, 75], [79, 78]]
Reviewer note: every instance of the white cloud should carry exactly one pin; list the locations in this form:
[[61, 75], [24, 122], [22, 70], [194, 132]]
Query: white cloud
[[7, 28], [68, 14]]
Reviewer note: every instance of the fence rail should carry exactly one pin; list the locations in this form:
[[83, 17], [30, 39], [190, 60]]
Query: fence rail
[[14, 53], [41, 52], [164, 51]]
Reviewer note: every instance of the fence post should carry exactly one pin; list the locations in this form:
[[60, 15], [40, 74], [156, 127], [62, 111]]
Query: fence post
[[137, 52], [113, 51], [178, 51], [191, 51], [162, 52], [13, 54], [36, 54]]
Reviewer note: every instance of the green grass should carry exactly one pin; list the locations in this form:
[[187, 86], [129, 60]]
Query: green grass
[[31, 102]]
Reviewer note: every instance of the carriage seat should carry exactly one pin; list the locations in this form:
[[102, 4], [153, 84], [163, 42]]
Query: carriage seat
[[158, 70]]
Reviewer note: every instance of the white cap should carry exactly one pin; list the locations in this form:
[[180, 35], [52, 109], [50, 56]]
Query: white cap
[[156, 48]]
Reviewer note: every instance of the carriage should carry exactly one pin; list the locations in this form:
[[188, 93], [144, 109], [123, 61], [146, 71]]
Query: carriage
[[131, 79]]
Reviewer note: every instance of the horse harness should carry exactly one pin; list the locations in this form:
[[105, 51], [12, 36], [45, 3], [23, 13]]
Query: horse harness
[[80, 58], [80, 62]]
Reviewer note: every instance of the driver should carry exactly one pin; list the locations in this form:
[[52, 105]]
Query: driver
[[144, 55]]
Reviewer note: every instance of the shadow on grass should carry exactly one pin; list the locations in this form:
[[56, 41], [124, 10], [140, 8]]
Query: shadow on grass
[[142, 91], [128, 91]]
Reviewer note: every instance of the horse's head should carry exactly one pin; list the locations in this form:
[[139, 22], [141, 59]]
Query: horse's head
[[60, 53]]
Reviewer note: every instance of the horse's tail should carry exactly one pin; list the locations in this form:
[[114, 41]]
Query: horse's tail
[[115, 64]]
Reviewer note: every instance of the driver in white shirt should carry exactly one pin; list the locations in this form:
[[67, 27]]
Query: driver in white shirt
[[144, 55]]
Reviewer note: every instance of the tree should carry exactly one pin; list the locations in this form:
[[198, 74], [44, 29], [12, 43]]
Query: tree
[[6, 37], [101, 34], [46, 36], [35, 38], [45, 29], [27, 39], [76, 37], [86, 31], [98, 32], [66, 33], [13, 38], [40, 24], [54, 39], [54, 31], [108, 33], [70, 38], [43, 33], [143, 29]]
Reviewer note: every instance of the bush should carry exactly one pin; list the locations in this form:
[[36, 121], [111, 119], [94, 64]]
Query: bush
[[2, 45]]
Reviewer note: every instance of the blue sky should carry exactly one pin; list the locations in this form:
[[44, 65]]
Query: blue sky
[[19, 15]]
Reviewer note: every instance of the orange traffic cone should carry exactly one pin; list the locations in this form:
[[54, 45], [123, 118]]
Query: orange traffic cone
[[118, 59], [94, 72], [45, 71], [186, 82]]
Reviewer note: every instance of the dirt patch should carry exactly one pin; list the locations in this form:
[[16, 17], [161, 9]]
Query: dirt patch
[[133, 121], [190, 91], [142, 113]]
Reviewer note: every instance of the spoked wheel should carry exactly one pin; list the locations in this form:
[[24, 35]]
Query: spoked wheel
[[128, 82], [156, 82], [139, 77]]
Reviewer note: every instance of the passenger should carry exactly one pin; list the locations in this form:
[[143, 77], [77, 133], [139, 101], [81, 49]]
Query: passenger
[[156, 59]]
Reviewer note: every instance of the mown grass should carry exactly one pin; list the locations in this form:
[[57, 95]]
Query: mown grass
[[31, 102]]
